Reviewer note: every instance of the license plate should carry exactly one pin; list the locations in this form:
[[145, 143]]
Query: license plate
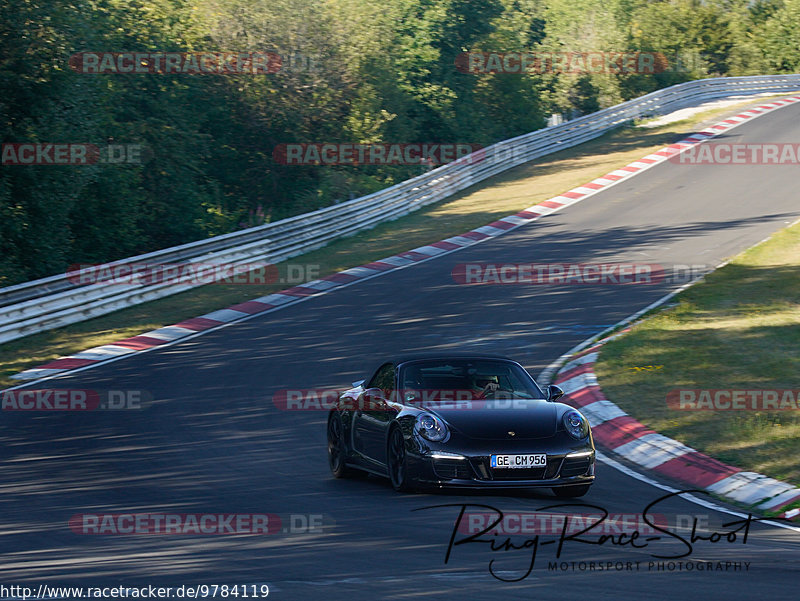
[[512, 462]]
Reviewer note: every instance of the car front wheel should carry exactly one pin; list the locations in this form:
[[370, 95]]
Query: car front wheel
[[336, 448], [396, 461]]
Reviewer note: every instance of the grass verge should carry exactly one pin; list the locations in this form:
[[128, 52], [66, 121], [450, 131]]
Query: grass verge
[[738, 329], [488, 201]]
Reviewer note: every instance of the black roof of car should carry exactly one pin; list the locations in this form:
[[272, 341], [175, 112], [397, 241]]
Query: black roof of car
[[408, 357], [422, 356]]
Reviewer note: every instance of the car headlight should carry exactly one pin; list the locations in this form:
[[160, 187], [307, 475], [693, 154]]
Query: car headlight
[[431, 427], [576, 425]]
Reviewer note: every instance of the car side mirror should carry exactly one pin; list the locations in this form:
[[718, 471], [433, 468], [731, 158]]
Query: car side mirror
[[358, 383], [374, 399], [554, 393]]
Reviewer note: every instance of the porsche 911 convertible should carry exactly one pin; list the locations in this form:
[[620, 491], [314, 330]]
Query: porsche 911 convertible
[[460, 421]]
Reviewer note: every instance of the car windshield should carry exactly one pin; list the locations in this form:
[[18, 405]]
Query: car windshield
[[465, 379]]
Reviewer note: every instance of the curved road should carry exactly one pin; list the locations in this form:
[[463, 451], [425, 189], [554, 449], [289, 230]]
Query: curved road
[[212, 441]]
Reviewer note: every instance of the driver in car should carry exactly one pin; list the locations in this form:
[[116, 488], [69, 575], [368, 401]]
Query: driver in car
[[483, 385]]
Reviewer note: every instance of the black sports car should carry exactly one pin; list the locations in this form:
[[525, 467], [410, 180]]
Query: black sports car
[[460, 421]]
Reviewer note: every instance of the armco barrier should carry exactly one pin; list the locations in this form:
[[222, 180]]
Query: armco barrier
[[48, 303]]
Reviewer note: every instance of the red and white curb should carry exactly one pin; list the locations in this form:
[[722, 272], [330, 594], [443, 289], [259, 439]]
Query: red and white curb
[[615, 430], [191, 327]]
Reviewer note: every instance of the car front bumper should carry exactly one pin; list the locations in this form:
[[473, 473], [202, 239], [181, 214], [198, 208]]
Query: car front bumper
[[446, 470]]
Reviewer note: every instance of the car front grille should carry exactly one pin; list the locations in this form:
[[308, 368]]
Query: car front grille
[[477, 468], [575, 466], [533, 473], [485, 472], [452, 469], [552, 469]]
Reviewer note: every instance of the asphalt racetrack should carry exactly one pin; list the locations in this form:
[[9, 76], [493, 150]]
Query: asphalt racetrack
[[212, 441]]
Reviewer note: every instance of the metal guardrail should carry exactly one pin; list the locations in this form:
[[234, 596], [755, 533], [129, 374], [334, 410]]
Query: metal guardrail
[[55, 301]]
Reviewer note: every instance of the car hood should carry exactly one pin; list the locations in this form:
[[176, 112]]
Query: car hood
[[494, 420]]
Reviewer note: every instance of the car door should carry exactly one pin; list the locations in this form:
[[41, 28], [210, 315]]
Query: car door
[[374, 415]]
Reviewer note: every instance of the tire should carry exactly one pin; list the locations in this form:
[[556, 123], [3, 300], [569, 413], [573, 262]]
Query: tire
[[396, 462], [570, 492], [337, 451]]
